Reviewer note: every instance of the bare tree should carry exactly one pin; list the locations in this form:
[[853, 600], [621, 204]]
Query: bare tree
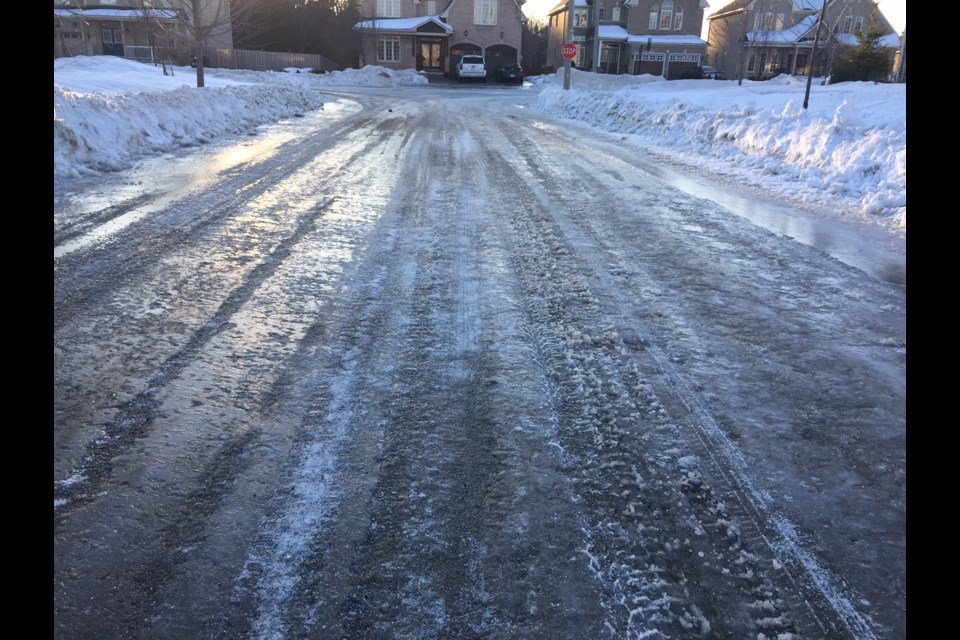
[[262, 26], [831, 48], [200, 22], [75, 13], [764, 27]]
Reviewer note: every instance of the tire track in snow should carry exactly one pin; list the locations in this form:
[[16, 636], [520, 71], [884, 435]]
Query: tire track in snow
[[809, 579]]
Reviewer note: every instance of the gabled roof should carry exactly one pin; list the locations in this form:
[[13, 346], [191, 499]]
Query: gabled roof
[[796, 33], [562, 6], [731, 6], [799, 6], [523, 17], [616, 33], [403, 25], [806, 30]]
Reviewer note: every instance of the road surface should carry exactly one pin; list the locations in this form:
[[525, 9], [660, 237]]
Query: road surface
[[427, 364]]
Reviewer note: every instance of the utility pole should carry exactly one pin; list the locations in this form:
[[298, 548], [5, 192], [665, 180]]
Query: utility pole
[[567, 63], [813, 53], [902, 60]]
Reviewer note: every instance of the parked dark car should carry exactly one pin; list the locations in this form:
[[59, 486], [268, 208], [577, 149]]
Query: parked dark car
[[510, 73], [701, 73]]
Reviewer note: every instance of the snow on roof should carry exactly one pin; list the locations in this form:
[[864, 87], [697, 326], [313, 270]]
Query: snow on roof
[[618, 33], [889, 41], [401, 24], [798, 6], [794, 34], [117, 14], [563, 4], [612, 32]]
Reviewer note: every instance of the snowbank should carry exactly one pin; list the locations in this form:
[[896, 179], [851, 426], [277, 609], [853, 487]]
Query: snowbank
[[850, 143]]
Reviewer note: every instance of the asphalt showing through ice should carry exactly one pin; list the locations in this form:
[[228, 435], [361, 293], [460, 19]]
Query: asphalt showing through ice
[[394, 377]]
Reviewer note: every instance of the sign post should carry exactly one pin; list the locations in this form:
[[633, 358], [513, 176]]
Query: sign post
[[569, 52], [568, 60]]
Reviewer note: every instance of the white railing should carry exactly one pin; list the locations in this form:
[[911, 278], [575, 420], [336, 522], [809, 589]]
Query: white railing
[[138, 53]]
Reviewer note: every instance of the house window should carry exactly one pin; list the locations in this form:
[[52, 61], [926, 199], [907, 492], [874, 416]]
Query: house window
[[388, 8], [768, 22], [599, 13], [388, 50], [666, 14], [653, 17], [678, 20], [580, 17], [616, 14], [485, 12], [431, 7], [851, 24], [752, 63]]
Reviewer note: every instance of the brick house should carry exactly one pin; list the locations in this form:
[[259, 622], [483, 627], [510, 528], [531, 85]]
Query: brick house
[[759, 39], [430, 35], [659, 37], [145, 31]]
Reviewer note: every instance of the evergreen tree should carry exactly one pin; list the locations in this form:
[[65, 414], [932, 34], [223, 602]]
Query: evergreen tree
[[534, 39], [868, 61]]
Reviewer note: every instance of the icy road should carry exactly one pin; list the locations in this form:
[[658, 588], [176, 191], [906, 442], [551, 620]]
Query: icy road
[[425, 364]]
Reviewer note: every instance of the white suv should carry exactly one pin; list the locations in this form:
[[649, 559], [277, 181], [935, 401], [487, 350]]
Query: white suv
[[471, 66]]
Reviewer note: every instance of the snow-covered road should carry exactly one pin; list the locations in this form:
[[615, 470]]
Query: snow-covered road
[[427, 365]]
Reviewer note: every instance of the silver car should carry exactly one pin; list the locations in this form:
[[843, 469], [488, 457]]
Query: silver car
[[471, 66]]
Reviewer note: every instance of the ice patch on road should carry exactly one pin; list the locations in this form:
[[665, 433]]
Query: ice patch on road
[[274, 564]]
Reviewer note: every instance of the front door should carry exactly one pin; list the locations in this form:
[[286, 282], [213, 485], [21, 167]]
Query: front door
[[112, 40], [430, 54], [610, 58]]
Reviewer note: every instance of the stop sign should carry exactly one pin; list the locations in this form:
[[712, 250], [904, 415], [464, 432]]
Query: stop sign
[[569, 51]]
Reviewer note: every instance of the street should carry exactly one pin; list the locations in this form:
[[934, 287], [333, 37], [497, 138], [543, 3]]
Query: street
[[427, 365]]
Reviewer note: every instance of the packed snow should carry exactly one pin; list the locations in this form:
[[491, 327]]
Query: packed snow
[[846, 151]]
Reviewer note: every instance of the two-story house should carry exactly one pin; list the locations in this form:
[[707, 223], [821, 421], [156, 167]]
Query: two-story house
[[659, 37], [141, 29], [759, 39], [431, 35]]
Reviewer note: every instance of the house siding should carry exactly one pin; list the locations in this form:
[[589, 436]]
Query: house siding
[[500, 42], [675, 49], [79, 30], [739, 50]]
